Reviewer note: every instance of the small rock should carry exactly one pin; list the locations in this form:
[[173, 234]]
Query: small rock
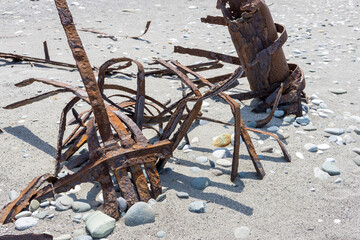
[[242, 232], [337, 221], [223, 140], [330, 168], [323, 147], [50, 216], [288, 119], [311, 147], [252, 124], [161, 197], [161, 234], [221, 153], [99, 224], [182, 195], [23, 214], [212, 163], [84, 237], [318, 173], [299, 155], [356, 150], [334, 131], [303, 121], [279, 113], [216, 172], [25, 223], [267, 149], [200, 183], [338, 180], [197, 207], [139, 213], [122, 204], [310, 127], [337, 91], [63, 203], [13, 195], [202, 159], [312, 190], [194, 140], [224, 162], [357, 160], [42, 215], [272, 128], [44, 204], [195, 169], [348, 139], [63, 237], [79, 206]]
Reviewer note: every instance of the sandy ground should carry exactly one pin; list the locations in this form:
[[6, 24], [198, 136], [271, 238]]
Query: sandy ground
[[324, 37]]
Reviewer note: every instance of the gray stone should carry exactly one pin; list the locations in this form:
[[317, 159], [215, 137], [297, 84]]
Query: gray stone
[[182, 195], [50, 216], [122, 204], [338, 180], [323, 146], [334, 131], [161, 197], [202, 159], [86, 215], [221, 153], [44, 204], [241, 232], [197, 207], [311, 147], [224, 162], [63, 203], [217, 172], [195, 169], [212, 163], [63, 237], [279, 113], [357, 160], [288, 119], [161, 234], [139, 213], [320, 174], [13, 195], [42, 215], [303, 121], [99, 224], [79, 206], [337, 91], [272, 128], [25, 223], [252, 124], [348, 139], [84, 237], [310, 127], [356, 150], [200, 183], [79, 232], [330, 168], [23, 214]]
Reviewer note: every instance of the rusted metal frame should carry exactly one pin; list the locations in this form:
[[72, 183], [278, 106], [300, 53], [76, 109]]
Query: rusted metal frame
[[239, 125], [75, 142], [84, 114], [263, 122], [17, 57], [207, 54], [12, 209], [46, 51], [217, 20], [27, 236], [145, 31], [140, 93], [35, 99], [195, 67], [62, 127], [85, 70]]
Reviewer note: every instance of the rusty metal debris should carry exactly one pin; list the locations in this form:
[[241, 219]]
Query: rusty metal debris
[[124, 151], [29, 236]]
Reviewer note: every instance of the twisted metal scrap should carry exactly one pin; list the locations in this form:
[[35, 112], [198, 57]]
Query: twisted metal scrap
[[124, 150]]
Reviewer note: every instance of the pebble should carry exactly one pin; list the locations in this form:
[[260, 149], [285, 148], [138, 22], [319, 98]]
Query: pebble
[[356, 150], [310, 127], [34, 205], [348, 139], [212, 163], [99, 224], [23, 214], [252, 124], [122, 204], [13, 195], [311, 147], [194, 140], [272, 128], [50, 216], [223, 140], [337, 91], [161, 197], [337, 221], [224, 162], [299, 155], [357, 160], [79, 206], [63, 203], [317, 101], [25, 223], [303, 121], [334, 131], [318, 173], [338, 180], [203, 122], [84, 237], [288, 119], [195, 169], [221, 153], [197, 207], [200, 183], [139, 213], [329, 167], [182, 195], [202, 159], [312, 189], [63, 237], [44, 204], [279, 113], [216, 172], [242, 232], [161, 234], [42, 215], [267, 149], [193, 7], [323, 147]]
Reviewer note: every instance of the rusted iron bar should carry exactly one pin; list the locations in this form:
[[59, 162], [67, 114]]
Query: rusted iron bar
[[28, 236], [46, 51], [195, 67]]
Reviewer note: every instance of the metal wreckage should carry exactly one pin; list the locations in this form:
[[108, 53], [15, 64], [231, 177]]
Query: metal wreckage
[[124, 151]]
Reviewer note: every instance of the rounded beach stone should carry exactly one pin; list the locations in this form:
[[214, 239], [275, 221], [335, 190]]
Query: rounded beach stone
[[63, 203], [221, 153], [200, 183], [356, 150], [334, 131], [223, 140], [139, 213], [311, 147], [25, 223], [23, 214], [182, 195], [161, 234], [13, 195], [197, 207], [224, 162], [122, 204], [202, 159], [330, 168], [63, 237], [99, 224], [357, 160], [84, 237], [242, 232], [79, 206]]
